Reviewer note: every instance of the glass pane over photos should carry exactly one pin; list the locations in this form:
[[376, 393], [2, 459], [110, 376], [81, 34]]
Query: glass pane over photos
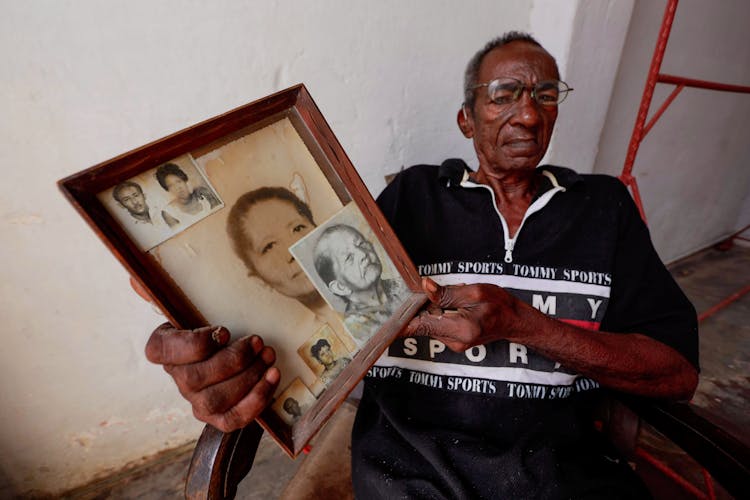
[[222, 224]]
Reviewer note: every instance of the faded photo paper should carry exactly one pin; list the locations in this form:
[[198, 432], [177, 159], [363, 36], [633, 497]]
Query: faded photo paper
[[353, 272], [236, 267], [161, 202], [293, 402], [326, 355]]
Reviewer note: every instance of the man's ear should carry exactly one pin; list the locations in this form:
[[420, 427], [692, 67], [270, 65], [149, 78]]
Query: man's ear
[[465, 122], [339, 288]]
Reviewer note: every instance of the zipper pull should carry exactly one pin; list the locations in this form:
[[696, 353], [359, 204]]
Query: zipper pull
[[509, 251]]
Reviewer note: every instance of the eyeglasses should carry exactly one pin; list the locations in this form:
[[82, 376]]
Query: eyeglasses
[[504, 91]]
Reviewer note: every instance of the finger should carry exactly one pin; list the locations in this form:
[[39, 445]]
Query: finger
[[446, 297], [447, 326], [222, 396], [235, 358], [140, 290], [432, 289], [168, 345], [249, 407]]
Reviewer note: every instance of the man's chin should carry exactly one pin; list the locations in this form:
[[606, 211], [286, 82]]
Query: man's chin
[[372, 275], [522, 162]]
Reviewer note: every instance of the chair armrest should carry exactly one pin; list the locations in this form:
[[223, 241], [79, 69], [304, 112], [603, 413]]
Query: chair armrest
[[220, 461], [720, 453]]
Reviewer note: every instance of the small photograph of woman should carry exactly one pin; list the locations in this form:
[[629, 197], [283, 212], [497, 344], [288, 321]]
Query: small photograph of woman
[[324, 353], [190, 202]]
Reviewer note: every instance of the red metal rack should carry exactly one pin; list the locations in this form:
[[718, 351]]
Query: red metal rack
[[640, 129]]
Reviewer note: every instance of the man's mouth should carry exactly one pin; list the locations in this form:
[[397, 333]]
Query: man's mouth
[[522, 142], [523, 146]]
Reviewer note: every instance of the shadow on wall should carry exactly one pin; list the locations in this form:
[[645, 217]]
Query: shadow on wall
[[6, 486]]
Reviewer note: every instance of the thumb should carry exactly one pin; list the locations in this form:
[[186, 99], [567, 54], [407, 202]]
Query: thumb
[[432, 289], [442, 296], [140, 290]]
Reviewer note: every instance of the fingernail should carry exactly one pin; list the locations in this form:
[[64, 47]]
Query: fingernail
[[257, 343], [268, 356], [429, 285], [220, 336], [272, 376]]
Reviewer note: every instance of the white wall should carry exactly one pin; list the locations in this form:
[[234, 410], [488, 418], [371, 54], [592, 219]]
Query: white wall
[[595, 37], [692, 168], [85, 80]]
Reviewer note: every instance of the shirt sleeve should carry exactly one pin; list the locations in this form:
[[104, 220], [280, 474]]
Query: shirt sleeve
[[644, 297]]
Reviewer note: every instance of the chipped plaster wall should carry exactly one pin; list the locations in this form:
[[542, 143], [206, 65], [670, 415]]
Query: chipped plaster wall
[[85, 80]]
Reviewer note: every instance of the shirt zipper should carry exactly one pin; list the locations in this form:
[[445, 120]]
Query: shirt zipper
[[537, 205]]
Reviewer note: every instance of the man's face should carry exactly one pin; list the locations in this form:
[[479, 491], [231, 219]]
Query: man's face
[[355, 262], [515, 136], [132, 199], [292, 408]]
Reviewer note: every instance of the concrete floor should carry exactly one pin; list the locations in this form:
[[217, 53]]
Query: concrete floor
[[723, 394], [724, 388], [707, 278]]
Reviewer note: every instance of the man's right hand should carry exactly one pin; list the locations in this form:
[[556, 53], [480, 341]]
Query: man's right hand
[[227, 383]]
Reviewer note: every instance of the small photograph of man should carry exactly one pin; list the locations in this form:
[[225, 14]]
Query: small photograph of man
[[291, 406], [130, 196], [136, 207], [293, 402], [350, 272]]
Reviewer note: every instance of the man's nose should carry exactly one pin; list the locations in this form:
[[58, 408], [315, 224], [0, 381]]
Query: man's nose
[[361, 254], [526, 112]]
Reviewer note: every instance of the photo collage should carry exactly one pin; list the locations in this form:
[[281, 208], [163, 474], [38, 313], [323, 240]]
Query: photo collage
[[253, 233]]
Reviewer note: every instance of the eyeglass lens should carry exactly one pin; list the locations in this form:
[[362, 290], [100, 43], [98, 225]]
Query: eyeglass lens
[[546, 93]]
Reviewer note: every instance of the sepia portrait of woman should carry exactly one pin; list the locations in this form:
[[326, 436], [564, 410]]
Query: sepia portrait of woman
[[262, 225], [189, 204]]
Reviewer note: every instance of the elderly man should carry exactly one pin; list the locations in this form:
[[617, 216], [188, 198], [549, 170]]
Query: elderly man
[[551, 293], [348, 264]]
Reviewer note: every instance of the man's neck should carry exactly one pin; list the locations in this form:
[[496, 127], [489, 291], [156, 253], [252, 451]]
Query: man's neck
[[372, 297], [143, 217], [513, 193], [510, 187]]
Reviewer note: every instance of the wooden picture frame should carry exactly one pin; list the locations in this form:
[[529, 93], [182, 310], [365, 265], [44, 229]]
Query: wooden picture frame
[[165, 210]]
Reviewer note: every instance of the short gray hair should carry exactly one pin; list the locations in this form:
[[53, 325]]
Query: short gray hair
[[472, 69]]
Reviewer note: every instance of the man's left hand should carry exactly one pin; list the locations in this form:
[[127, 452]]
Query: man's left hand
[[462, 316]]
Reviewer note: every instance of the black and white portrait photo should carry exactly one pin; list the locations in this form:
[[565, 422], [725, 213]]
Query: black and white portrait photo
[[326, 355], [235, 264], [157, 204], [191, 199], [293, 402], [353, 272]]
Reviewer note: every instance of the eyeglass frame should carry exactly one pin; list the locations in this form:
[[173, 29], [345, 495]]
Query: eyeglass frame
[[523, 87]]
